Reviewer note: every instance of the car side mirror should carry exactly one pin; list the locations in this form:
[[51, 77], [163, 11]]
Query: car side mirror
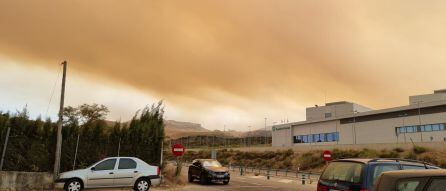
[[93, 168]]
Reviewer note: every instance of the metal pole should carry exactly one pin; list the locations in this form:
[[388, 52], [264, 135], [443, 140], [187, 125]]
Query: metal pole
[[4, 148], [161, 159], [419, 120], [119, 146], [75, 153], [59, 124], [265, 132], [404, 124], [354, 127]]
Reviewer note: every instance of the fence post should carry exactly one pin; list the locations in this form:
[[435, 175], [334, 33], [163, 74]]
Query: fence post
[[267, 174], [4, 148], [309, 177]]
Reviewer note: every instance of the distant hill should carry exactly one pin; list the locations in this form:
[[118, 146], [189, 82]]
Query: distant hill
[[176, 129]]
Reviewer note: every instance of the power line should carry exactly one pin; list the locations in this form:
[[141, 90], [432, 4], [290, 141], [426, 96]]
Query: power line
[[52, 91]]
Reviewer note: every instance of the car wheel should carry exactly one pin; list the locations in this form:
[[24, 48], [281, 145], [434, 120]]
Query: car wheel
[[142, 185], [190, 178], [73, 185], [225, 182], [203, 179]]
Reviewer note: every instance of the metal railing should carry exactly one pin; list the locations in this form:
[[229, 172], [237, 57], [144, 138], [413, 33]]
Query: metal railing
[[276, 172]]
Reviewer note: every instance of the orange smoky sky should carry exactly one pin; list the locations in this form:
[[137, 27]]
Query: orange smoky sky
[[262, 57]]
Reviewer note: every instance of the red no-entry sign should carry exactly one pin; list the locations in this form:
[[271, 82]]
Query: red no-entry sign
[[327, 156], [178, 150]]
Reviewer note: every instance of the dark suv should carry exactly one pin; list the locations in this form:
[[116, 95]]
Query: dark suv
[[360, 174], [208, 170]]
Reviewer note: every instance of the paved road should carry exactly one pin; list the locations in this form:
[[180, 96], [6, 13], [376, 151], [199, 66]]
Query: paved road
[[252, 183], [248, 182]]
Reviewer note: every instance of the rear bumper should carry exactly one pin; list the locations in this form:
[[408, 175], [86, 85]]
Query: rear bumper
[[153, 177], [219, 179], [155, 181]]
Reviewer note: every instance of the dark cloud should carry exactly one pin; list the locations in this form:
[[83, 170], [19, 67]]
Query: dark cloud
[[266, 52]]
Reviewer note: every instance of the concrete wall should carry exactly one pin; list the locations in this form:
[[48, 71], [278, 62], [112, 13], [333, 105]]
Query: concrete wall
[[318, 113], [433, 146], [383, 131], [12, 180], [368, 132], [282, 137]]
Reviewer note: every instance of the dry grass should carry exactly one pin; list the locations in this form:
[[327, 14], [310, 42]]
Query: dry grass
[[169, 176]]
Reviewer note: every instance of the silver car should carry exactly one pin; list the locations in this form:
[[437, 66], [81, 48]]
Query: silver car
[[112, 172]]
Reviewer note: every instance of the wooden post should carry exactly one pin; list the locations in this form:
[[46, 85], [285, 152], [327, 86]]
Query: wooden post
[[59, 124]]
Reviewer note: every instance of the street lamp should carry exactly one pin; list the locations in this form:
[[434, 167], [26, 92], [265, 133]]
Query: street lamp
[[354, 126], [266, 142], [404, 117]]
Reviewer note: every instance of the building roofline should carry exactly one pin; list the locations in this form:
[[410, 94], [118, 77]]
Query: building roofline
[[367, 113]]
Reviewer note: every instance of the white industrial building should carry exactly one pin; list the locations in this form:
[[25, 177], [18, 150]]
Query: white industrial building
[[423, 120]]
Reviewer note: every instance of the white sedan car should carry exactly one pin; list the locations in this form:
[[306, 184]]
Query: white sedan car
[[112, 172]]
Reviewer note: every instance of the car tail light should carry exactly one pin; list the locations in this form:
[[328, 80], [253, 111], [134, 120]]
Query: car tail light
[[363, 190], [158, 171]]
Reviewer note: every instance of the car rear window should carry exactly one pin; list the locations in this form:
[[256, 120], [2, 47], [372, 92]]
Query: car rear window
[[380, 168], [343, 171], [413, 167], [408, 185]]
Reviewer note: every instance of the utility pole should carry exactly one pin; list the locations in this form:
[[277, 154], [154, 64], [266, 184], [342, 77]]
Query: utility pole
[[161, 158], [4, 148], [266, 135], [59, 124]]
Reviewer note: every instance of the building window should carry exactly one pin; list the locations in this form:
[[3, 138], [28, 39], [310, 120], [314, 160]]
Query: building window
[[422, 128], [428, 128], [304, 138], [310, 138], [330, 137], [317, 138], [328, 115], [322, 137]]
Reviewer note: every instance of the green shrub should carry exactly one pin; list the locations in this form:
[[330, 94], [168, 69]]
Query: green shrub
[[310, 160], [419, 149], [411, 155], [442, 163], [367, 153], [398, 150], [388, 154]]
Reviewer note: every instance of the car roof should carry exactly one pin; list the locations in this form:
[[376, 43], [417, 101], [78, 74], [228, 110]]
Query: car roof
[[368, 160], [414, 173], [205, 159], [134, 158], [359, 160]]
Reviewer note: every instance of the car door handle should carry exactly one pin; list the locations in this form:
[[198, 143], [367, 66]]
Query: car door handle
[[135, 171], [111, 173]]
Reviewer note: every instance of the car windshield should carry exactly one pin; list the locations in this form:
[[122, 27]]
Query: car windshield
[[343, 171], [211, 163]]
